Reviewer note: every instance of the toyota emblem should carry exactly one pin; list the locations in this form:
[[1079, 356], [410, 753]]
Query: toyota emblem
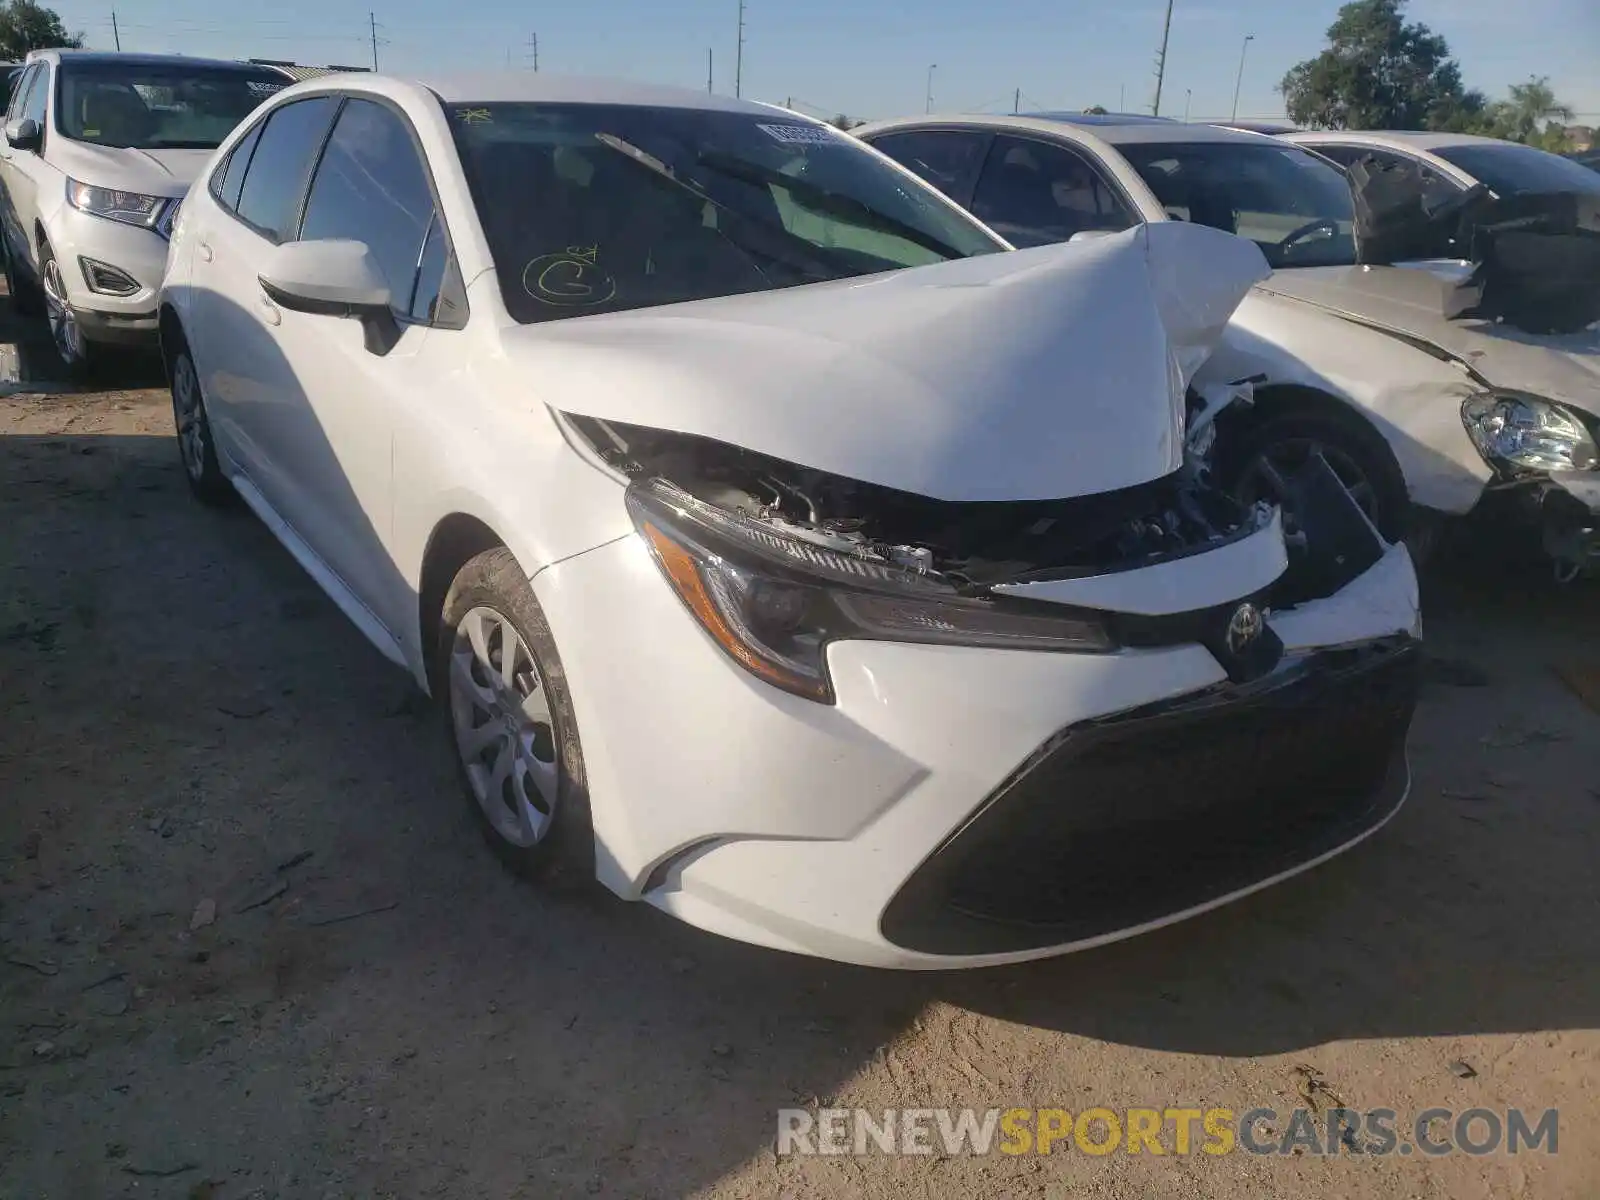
[[1244, 627]]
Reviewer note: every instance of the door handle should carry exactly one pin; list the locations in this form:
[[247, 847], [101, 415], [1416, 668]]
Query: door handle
[[206, 252], [270, 312]]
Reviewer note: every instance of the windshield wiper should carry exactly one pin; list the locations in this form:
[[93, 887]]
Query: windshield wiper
[[779, 248], [833, 203]]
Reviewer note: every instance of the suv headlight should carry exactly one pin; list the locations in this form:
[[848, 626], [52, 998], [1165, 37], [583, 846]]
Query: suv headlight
[[774, 602], [1527, 433], [131, 208]]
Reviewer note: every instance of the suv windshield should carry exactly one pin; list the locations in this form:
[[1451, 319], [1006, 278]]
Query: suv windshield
[[1511, 169], [1294, 205], [600, 208], [158, 106]]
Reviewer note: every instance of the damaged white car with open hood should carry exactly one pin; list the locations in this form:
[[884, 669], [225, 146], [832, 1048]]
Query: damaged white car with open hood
[[777, 551]]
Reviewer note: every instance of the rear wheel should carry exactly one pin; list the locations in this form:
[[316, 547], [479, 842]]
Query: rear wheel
[[509, 716], [196, 446]]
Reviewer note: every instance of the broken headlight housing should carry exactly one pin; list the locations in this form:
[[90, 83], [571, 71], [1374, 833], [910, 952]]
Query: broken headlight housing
[[773, 601], [1527, 433]]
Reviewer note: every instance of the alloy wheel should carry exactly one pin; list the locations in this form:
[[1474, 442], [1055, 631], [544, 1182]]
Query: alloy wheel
[[500, 712], [64, 329], [189, 413]]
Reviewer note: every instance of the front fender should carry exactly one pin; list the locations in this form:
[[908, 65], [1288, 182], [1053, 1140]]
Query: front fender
[[1411, 397]]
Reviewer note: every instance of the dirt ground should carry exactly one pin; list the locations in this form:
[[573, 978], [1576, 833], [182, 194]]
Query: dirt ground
[[253, 946]]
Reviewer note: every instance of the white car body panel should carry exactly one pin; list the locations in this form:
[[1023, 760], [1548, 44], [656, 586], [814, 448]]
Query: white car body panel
[[1178, 585], [739, 807], [902, 354]]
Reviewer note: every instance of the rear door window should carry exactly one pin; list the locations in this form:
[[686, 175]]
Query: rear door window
[[275, 180], [227, 179]]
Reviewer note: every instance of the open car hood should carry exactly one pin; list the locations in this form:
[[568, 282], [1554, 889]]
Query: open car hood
[[1416, 304], [1039, 374]]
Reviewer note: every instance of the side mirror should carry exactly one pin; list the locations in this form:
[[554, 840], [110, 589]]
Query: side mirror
[[25, 134], [333, 278]]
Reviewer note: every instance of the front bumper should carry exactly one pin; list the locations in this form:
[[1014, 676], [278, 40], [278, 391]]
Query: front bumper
[[140, 254], [828, 829], [1563, 508]]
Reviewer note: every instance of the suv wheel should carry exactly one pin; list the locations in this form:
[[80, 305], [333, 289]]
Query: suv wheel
[[66, 334]]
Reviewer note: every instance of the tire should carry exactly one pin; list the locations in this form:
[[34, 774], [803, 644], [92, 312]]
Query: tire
[[25, 298], [535, 813], [197, 448], [1357, 453], [66, 334]]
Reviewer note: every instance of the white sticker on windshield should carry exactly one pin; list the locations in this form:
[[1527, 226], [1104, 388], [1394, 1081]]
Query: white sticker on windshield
[[800, 135]]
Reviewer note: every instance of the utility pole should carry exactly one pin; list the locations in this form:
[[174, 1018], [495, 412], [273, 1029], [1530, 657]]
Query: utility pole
[[708, 70], [1161, 61], [1122, 97], [1016, 102], [738, 56], [533, 41], [1239, 83], [932, 67], [372, 25], [1188, 99], [116, 34]]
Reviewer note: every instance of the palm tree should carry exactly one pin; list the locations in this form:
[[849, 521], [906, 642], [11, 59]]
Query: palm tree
[[1530, 105]]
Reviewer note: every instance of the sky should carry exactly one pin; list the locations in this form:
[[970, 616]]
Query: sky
[[872, 58]]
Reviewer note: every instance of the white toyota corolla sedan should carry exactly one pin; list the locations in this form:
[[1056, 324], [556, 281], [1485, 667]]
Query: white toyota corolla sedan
[[782, 549]]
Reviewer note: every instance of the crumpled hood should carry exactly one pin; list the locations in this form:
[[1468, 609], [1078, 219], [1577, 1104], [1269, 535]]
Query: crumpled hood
[[1038, 374], [1413, 302], [152, 172]]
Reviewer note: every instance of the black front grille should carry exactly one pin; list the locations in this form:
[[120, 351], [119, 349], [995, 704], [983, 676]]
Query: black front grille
[[1122, 821]]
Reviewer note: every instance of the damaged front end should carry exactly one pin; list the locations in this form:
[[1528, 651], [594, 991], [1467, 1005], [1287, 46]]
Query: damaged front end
[[776, 560]]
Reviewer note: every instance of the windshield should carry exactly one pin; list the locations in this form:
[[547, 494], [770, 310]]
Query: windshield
[[599, 208], [1294, 205], [158, 106], [1510, 169]]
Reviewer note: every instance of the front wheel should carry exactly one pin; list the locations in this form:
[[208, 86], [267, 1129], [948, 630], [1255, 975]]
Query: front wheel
[[509, 716], [66, 332], [1263, 457]]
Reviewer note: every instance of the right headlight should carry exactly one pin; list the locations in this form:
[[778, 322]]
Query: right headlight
[[773, 602], [1527, 433]]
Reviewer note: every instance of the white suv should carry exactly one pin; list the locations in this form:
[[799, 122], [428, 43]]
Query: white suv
[[99, 150]]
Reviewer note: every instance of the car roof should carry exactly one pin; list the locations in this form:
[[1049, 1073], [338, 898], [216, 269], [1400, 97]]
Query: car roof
[[510, 87], [1416, 140], [145, 60], [1117, 133], [1089, 118]]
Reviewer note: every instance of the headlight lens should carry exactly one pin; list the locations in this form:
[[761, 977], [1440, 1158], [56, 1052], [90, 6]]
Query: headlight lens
[[774, 602], [131, 208], [1529, 434]]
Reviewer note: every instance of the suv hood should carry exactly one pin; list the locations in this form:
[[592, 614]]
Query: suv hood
[[152, 172], [1038, 374], [1415, 304]]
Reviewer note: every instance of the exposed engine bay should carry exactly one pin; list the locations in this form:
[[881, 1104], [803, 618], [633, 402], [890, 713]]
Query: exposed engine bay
[[969, 544]]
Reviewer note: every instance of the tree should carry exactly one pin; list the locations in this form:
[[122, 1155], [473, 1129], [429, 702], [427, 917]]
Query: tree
[[1379, 72], [1530, 104], [25, 25]]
